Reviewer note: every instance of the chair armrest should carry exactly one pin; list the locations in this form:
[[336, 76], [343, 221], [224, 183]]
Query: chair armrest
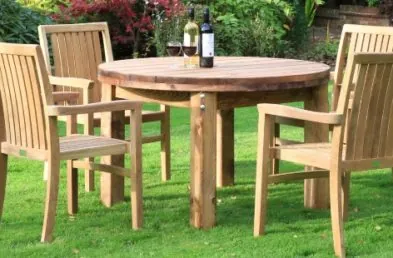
[[300, 114], [68, 96], [71, 82], [120, 105]]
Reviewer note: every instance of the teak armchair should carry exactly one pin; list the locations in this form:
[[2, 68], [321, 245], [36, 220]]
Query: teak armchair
[[359, 38], [354, 38], [362, 131], [28, 128], [77, 51]]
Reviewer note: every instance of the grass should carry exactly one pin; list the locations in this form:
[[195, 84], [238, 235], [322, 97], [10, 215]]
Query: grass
[[292, 231]]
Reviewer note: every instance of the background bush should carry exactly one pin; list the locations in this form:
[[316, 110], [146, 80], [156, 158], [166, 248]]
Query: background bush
[[141, 28], [130, 22], [19, 24], [246, 27], [43, 6]]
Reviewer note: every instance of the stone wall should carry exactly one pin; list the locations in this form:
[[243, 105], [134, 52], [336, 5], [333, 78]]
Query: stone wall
[[350, 14]]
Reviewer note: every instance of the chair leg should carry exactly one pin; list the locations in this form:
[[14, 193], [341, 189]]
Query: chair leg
[[165, 145], [335, 210], [52, 190], [136, 169], [345, 191], [275, 162], [45, 175], [72, 188], [89, 177], [3, 179], [262, 174], [89, 174]]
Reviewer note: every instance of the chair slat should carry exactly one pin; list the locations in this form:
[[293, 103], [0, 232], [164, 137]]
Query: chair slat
[[379, 44], [63, 54], [9, 92], [385, 103], [70, 55], [366, 43], [56, 55], [5, 99], [363, 108], [38, 103], [359, 42], [389, 134], [373, 43], [85, 57], [99, 60], [353, 119], [91, 55], [23, 107], [373, 118], [31, 103], [15, 102]]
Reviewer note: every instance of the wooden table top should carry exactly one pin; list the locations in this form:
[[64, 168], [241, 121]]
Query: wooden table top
[[228, 74]]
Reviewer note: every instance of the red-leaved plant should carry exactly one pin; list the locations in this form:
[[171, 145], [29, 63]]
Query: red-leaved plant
[[130, 21]]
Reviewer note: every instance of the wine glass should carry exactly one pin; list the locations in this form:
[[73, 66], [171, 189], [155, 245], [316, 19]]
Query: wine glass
[[173, 48], [189, 50]]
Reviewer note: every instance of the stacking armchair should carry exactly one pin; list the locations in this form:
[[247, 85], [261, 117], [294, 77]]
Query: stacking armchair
[[362, 130], [76, 51], [354, 38], [28, 128]]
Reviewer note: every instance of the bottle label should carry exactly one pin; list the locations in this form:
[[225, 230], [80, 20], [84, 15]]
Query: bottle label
[[208, 45], [187, 39]]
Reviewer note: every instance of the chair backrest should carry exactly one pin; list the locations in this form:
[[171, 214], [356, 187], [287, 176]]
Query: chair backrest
[[369, 124], [25, 92], [359, 38], [77, 50]]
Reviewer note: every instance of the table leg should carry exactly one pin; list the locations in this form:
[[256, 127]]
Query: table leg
[[225, 148], [203, 160], [316, 191], [112, 125]]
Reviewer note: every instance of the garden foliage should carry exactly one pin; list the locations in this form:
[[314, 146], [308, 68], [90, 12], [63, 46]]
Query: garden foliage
[[130, 21], [246, 27], [19, 24], [43, 6]]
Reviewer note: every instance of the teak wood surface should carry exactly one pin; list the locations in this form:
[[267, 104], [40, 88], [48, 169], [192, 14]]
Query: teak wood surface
[[28, 128], [77, 50], [212, 95], [362, 132]]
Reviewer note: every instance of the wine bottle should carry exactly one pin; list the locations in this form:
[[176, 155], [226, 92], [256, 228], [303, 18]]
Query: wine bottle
[[191, 41], [207, 41]]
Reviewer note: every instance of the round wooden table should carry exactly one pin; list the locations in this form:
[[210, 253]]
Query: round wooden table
[[212, 94]]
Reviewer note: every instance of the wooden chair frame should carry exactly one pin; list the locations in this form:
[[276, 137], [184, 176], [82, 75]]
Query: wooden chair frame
[[357, 143], [354, 38], [28, 128], [70, 61]]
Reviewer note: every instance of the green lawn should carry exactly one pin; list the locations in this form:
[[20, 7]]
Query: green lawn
[[292, 231]]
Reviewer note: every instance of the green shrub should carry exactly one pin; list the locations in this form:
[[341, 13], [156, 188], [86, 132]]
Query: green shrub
[[167, 29], [373, 3], [244, 27], [322, 51], [19, 24], [43, 6], [258, 27]]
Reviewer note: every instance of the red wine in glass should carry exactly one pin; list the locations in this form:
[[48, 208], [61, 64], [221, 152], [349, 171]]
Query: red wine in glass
[[173, 48]]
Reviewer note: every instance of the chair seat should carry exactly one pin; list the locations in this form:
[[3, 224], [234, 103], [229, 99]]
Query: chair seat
[[312, 154], [147, 116], [84, 146]]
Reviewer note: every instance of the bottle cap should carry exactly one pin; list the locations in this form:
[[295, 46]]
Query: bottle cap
[[206, 14], [191, 12]]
